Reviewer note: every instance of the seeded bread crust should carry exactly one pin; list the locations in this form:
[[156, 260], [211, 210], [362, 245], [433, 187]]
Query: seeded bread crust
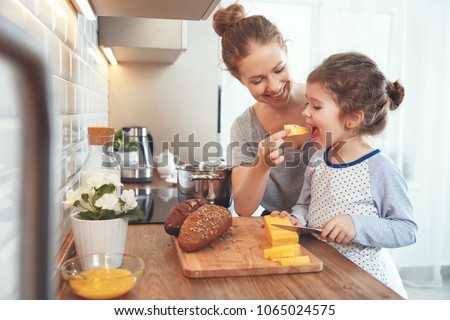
[[203, 226], [179, 213]]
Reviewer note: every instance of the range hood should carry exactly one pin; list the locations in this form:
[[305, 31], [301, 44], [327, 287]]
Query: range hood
[[160, 9], [147, 30], [143, 39]]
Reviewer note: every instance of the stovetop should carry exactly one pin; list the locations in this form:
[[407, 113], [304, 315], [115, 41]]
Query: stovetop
[[156, 204]]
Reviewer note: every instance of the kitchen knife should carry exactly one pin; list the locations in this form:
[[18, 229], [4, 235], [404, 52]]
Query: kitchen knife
[[303, 230]]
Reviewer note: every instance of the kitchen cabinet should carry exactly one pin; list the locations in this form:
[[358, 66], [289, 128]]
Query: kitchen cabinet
[[162, 9], [143, 39]]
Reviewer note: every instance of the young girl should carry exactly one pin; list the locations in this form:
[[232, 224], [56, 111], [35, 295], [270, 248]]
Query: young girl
[[352, 191]]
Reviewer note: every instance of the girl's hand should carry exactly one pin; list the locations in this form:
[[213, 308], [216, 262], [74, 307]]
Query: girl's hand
[[269, 148], [339, 229]]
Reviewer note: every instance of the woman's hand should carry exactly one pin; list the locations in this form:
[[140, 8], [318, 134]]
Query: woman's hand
[[339, 229], [294, 221], [269, 149]]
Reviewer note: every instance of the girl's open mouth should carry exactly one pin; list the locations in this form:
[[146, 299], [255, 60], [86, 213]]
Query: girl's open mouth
[[314, 132]]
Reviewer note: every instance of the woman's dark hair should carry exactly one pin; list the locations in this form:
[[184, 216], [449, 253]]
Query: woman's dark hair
[[239, 33], [356, 83]]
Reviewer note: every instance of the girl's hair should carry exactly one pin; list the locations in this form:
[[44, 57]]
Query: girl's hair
[[356, 83], [239, 33]]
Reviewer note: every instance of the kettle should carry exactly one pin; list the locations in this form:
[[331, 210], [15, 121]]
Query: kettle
[[136, 151]]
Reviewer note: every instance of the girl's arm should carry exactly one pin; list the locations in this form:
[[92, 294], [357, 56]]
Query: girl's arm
[[300, 210], [395, 226]]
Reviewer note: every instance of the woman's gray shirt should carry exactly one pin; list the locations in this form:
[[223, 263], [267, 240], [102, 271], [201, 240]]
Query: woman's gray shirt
[[286, 180]]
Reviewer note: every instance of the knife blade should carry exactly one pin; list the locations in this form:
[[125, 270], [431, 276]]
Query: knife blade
[[303, 230]]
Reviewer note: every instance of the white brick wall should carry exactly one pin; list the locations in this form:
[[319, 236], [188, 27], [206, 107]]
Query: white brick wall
[[79, 98]]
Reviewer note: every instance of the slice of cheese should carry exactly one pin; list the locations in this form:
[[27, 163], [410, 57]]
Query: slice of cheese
[[278, 236], [295, 129], [285, 243], [291, 250], [292, 261]]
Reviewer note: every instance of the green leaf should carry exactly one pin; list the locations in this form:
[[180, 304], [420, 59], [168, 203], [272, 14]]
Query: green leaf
[[106, 188], [85, 197], [117, 140], [135, 213], [107, 215], [95, 198], [87, 215]]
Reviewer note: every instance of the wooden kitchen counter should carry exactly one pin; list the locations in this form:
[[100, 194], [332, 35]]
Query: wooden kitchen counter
[[163, 276]]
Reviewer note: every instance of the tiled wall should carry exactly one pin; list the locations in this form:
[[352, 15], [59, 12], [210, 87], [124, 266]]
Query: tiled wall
[[78, 82]]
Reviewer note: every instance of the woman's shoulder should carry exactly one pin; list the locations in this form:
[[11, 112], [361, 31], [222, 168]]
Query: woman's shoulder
[[248, 122], [246, 116]]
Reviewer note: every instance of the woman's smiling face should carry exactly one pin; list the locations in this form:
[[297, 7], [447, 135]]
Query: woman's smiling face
[[324, 117], [266, 74]]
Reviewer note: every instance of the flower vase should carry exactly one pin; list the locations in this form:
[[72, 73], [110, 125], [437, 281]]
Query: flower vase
[[100, 236]]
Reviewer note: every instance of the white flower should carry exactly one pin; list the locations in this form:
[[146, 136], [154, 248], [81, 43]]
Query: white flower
[[108, 199], [100, 179], [97, 180], [88, 190], [113, 179], [71, 197], [129, 199], [108, 202]]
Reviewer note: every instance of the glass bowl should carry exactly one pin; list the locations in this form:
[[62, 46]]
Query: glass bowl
[[102, 275]]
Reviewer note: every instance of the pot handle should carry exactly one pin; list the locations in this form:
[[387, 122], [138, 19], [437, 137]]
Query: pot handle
[[212, 176]]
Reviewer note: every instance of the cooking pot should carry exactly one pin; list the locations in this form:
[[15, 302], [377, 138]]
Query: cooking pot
[[207, 180]]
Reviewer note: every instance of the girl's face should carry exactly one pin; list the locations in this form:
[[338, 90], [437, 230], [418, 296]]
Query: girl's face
[[324, 117], [266, 74]]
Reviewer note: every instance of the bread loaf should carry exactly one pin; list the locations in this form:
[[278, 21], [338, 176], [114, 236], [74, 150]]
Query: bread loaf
[[203, 226], [179, 213]]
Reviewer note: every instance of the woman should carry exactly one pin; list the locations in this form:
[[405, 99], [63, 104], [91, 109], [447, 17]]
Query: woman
[[268, 166]]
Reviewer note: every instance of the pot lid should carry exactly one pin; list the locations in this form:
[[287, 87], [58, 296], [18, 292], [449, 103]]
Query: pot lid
[[210, 165]]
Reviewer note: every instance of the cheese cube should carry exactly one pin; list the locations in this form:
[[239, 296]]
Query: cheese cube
[[278, 236], [292, 261], [295, 129], [291, 250]]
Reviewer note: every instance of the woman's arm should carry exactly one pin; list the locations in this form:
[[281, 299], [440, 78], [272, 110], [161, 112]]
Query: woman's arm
[[249, 181]]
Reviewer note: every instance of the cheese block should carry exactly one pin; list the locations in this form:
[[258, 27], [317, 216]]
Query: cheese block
[[278, 236], [285, 243], [295, 129], [291, 261], [291, 250]]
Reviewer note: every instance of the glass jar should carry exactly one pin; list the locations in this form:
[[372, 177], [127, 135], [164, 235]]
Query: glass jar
[[101, 157]]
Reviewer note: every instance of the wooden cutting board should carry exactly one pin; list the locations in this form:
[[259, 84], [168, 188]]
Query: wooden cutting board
[[240, 254]]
